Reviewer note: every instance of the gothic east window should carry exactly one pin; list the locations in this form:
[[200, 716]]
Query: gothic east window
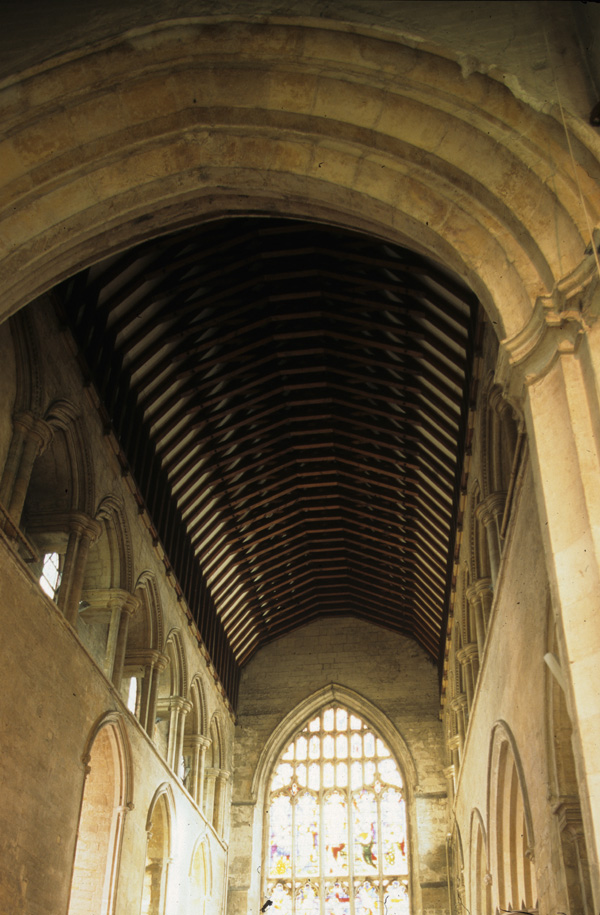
[[336, 824]]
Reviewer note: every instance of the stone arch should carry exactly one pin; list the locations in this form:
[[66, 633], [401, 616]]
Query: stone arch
[[480, 877], [172, 702], [129, 171], [148, 632], [160, 829], [201, 877], [354, 702], [197, 720], [143, 657], [110, 561], [107, 795], [512, 844], [107, 602], [573, 860], [217, 749]]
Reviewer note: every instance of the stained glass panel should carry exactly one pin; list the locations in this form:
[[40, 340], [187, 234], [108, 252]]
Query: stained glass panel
[[365, 833], [336, 833], [281, 898], [341, 719], [396, 899], [341, 746], [307, 900], [301, 775], [337, 899], [367, 900], [328, 720], [393, 830], [337, 823], [280, 821], [307, 835], [301, 748], [314, 777]]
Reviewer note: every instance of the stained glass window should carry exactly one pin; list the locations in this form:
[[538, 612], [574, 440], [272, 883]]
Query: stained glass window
[[337, 823]]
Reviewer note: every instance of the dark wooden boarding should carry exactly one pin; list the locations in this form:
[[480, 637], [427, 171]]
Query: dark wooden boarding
[[291, 400]]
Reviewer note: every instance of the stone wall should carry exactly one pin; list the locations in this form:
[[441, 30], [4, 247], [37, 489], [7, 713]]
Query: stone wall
[[56, 697]]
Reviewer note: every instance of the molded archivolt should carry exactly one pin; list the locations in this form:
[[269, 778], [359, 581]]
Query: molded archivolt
[[480, 888], [107, 796], [350, 700], [169, 125], [147, 627], [512, 845]]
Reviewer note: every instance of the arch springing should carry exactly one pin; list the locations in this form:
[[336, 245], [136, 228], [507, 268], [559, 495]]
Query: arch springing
[[336, 833]]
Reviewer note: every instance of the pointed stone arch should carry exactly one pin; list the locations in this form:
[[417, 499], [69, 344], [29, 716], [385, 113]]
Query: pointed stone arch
[[480, 882], [115, 564], [508, 812], [354, 702], [200, 876], [107, 796], [161, 832]]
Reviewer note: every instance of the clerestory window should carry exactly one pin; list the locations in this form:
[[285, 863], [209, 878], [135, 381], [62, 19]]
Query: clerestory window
[[51, 574], [336, 826]]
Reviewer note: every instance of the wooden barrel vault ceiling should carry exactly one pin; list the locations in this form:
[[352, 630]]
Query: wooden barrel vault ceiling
[[290, 399]]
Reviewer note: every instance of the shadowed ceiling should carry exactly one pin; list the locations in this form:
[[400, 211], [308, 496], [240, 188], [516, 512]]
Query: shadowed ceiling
[[290, 399]]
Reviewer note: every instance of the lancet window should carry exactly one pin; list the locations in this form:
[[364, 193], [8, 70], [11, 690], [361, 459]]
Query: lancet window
[[336, 825], [51, 574]]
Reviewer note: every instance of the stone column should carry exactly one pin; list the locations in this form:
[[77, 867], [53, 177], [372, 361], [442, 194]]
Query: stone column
[[151, 662], [31, 436], [551, 371], [459, 706], [185, 706], [490, 513], [121, 612], [450, 776], [480, 595], [210, 778], [203, 743], [219, 805], [472, 655], [462, 658], [455, 752], [157, 667], [83, 530], [178, 709]]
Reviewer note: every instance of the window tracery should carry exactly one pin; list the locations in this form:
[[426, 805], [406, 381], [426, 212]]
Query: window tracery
[[336, 824]]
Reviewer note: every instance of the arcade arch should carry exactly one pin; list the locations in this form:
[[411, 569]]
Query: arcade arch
[[401, 149]]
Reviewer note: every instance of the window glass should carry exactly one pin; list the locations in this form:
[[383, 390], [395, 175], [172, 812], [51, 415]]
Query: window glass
[[337, 823], [51, 573]]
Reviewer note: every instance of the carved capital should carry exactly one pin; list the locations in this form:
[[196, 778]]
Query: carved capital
[[100, 602], [479, 587], [34, 427], [449, 773], [66, 522], [557, 324], [145, 657]]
